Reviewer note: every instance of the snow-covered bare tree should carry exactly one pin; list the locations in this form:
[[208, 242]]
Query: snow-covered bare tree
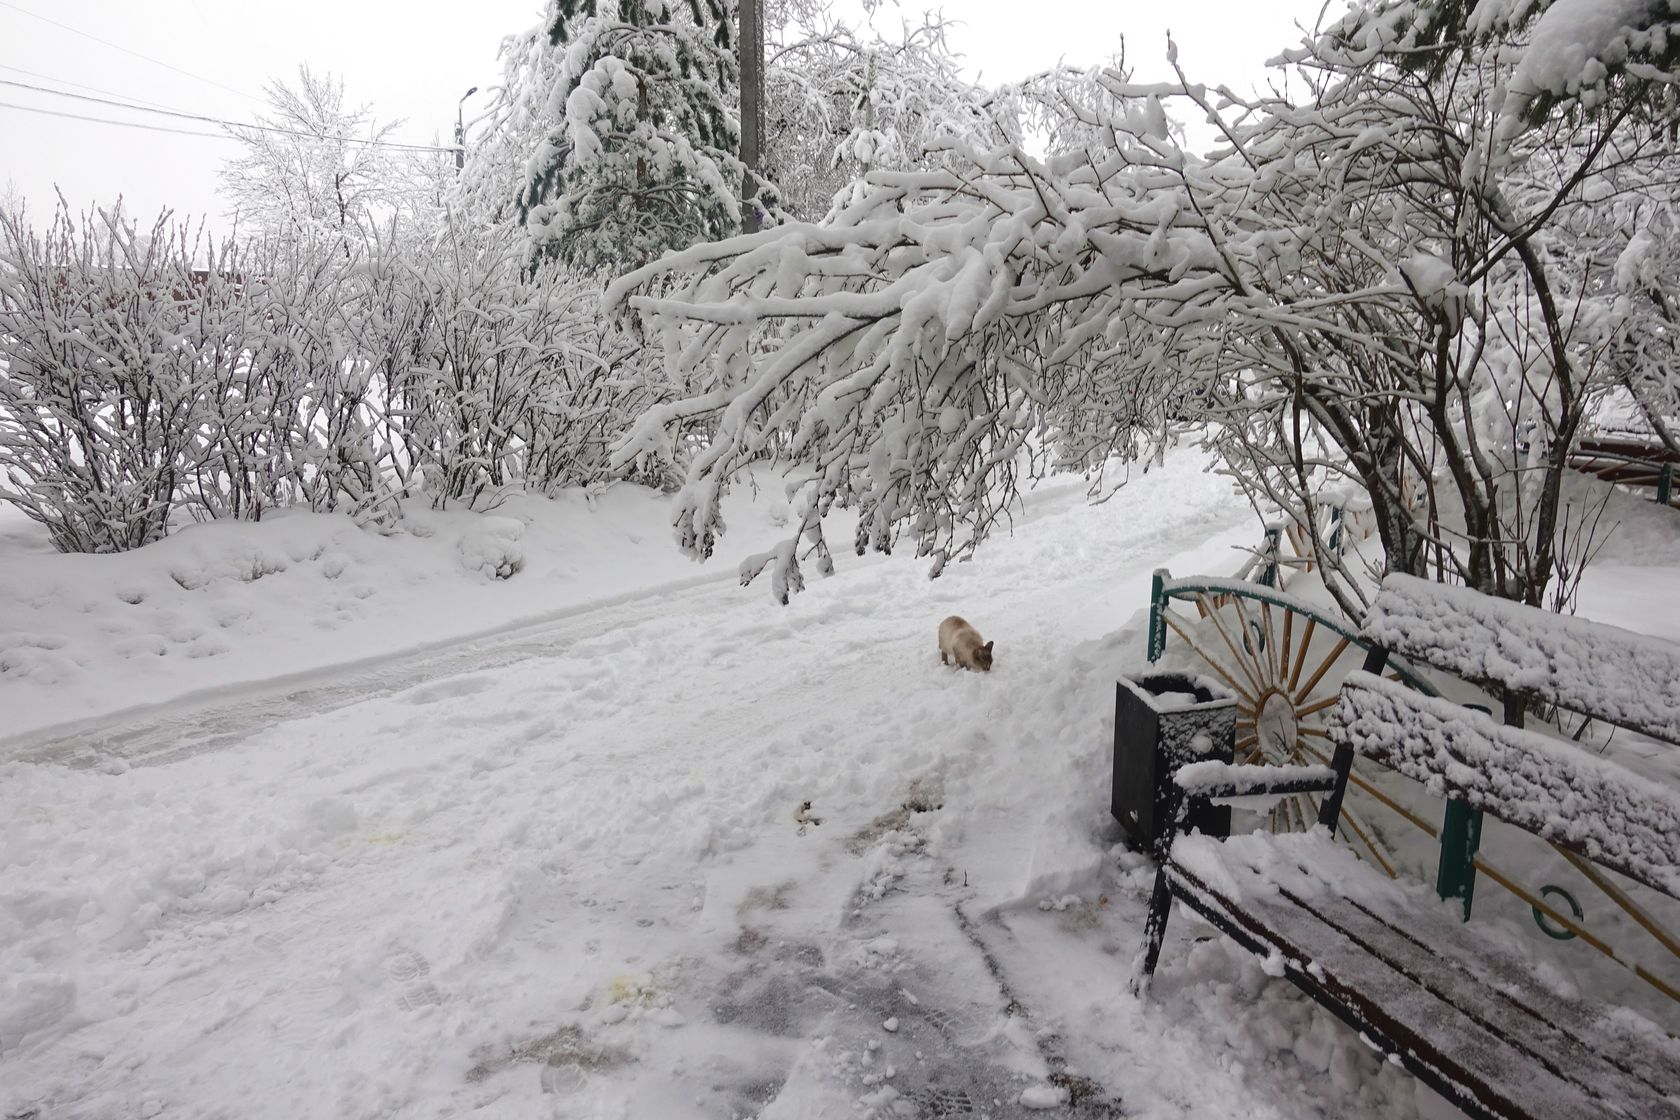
[[643, 152], [314, 165], [1625, 226], [1647, 279], [843, 100], [1360, 288], [1458, 338]]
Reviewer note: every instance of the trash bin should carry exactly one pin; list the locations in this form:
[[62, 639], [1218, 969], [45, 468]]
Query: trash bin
[[1161, 722]]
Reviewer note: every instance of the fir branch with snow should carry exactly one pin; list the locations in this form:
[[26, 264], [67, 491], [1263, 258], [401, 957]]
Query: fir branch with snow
[[643, 154]]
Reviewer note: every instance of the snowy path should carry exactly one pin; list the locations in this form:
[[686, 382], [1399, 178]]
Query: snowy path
[[574, 884], [223, 715], [226, 716]]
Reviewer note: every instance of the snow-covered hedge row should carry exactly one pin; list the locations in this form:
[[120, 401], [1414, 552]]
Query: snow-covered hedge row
[[147, 374]]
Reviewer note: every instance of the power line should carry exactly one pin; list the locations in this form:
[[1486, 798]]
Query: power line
[[108, 120], [79, 85], [209, 120], [125, 50]]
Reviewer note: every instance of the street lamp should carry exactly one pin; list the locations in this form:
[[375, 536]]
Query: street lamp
[[461, 132]]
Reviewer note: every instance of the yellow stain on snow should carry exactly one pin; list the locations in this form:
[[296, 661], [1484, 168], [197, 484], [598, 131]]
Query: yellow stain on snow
[[630, 987]]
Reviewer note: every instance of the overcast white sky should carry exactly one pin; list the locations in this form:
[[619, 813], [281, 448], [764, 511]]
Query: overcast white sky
[[414, 60]]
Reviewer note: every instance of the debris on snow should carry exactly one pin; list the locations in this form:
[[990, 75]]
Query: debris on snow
[[1044, 1097]]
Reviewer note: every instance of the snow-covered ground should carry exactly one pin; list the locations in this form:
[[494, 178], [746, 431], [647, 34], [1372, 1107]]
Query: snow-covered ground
[[228, 603], [684, 853]]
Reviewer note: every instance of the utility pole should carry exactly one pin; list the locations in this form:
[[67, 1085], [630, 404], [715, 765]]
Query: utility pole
[[461, 132], [750, 43]]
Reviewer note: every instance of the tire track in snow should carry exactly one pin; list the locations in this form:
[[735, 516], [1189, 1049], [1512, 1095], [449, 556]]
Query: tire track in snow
[[185, 728]]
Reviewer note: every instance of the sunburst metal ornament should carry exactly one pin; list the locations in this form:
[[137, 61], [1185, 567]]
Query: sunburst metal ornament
[[1285, 665]]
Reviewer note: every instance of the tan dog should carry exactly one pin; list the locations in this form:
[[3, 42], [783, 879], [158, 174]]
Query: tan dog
[[960, 643]]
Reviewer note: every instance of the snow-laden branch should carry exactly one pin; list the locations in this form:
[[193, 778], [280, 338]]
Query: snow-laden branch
[[1360, 284]]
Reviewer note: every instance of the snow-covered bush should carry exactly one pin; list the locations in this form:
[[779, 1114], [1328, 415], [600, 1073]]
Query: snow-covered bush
[[277, 419], [328, 333], [512, 378], [137, 385], [99, 382], [491, 547]]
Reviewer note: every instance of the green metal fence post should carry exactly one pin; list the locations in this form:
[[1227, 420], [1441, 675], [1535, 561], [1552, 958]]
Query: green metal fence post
[[1665, 483], [1461, 836], [1157, 603], [1269, 570]]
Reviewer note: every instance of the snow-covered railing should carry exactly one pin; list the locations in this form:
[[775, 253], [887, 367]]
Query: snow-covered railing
[[1261, 567], [1552, 789], [1615, 675], [1266, 564]]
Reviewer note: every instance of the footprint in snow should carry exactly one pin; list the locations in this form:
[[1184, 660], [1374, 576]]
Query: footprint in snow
[[935, 1102], [967, 1027], [409, 971]]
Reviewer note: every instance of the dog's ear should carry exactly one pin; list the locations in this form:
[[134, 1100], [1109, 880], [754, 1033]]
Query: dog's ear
[[987, 647]]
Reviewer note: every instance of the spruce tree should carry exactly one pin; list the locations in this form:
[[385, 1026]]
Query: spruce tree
[[645, 154]]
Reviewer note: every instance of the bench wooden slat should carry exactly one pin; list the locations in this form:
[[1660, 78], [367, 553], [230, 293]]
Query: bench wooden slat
[[1438, 947], [1214, 780], [1624, 678], [1552, 789], [1649, 450], [1628, 474], [1457, 1057], [1487, 1046]]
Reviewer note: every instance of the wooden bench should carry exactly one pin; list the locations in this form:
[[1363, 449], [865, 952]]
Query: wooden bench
[[1391, 958], [1642, 463]]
